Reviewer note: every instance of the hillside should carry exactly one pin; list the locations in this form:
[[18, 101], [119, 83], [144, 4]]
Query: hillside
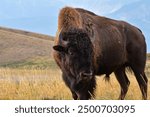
[[27, 33], [17, 46]]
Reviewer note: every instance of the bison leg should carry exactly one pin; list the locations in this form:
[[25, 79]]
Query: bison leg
[[145, 78], [123, 81], [142, 81]]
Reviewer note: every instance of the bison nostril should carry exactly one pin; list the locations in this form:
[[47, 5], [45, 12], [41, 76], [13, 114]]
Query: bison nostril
[[85, 74]]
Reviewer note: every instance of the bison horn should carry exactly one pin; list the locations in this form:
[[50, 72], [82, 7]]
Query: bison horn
[[62, 41]]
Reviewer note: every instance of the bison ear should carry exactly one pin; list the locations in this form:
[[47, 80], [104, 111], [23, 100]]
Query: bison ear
[[59, 48]]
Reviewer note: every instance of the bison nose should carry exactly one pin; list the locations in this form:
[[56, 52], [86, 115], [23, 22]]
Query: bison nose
[[86, 74]]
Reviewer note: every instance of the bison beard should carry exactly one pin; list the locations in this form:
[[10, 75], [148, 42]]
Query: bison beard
[[83, 89], [87, 45]]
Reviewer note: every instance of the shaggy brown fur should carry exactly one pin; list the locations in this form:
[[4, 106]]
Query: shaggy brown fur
[[112, 47], [69, 17]]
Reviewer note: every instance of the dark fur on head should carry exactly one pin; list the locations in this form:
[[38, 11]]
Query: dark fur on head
[[78, 37]]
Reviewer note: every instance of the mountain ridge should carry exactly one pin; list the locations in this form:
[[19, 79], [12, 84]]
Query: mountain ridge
[[27, 33]]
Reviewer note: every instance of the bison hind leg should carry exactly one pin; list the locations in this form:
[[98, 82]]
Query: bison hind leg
[[123, 81], [142, 81]]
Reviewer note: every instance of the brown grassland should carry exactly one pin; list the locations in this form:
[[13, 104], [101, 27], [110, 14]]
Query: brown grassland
[[43, 84], [27, 71]]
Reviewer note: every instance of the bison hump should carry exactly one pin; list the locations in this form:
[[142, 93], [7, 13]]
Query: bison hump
[[69, 16]]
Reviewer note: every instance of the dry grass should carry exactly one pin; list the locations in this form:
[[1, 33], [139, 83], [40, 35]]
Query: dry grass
[[111, 90], [47, 84], [31, 84]]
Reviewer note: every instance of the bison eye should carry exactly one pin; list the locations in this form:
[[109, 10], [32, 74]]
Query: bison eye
[[71, 52]]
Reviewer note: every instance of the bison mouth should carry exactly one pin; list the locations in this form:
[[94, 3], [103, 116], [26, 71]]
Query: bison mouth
[[82, 81]]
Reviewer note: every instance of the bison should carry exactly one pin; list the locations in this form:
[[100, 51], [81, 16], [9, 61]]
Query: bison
[[87, 45]]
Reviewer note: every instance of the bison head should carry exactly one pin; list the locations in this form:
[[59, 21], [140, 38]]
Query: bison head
[[75, 49]]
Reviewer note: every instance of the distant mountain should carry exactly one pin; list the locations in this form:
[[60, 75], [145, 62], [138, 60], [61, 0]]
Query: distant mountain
[[136, 10]]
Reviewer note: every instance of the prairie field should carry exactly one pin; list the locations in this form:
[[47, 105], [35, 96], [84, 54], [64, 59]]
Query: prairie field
[[46, 84]]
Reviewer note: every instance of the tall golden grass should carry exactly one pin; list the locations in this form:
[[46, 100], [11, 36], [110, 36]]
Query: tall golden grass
[[47, 84]]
